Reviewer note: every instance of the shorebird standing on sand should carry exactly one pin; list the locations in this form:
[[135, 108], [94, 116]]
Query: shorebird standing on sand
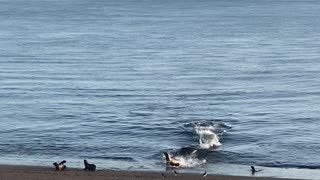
[[204, 174], [254, 170], [163, 176], [175, 173]]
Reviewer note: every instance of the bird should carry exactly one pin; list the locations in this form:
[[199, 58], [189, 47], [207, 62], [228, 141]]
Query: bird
[[254, 170], [175, 173], [163, 176], [204, 174]]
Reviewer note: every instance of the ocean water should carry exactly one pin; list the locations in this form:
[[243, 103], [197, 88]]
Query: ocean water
[[121, 82]]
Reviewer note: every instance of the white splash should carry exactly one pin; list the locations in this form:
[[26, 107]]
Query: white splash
[[189, 161], [207, 138]]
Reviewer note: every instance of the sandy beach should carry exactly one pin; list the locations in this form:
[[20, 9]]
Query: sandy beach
[[48, 173]]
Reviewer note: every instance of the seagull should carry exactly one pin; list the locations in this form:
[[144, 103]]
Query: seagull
[[204, 174], [175, 173], [163, 176], [254, 170]]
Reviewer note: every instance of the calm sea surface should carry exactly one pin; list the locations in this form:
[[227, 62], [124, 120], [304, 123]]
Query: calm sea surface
[[120, 82]]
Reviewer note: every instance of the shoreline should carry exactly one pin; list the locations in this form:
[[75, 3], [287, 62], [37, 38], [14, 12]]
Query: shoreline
[[17, 172]]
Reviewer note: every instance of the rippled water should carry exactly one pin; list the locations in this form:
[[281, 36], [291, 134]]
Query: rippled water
[[120, 82]]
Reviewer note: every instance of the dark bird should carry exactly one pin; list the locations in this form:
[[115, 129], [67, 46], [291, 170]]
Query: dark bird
[[254, 170], [175, 173], [89, 167], [60, 166], [163, 176], [204, 174]]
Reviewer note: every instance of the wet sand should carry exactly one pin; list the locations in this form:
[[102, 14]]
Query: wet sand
[[48, 173]]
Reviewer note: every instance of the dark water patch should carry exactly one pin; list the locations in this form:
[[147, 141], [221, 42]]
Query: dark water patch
[[138, 114]]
